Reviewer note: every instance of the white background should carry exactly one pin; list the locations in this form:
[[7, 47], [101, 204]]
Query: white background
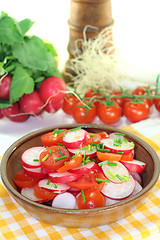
[[136, 30]]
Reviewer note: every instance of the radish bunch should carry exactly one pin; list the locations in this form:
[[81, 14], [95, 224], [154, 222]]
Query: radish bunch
[[112, 180], [49, 97]]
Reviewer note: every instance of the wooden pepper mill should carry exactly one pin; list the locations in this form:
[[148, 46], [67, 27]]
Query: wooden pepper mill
[[96, 13]]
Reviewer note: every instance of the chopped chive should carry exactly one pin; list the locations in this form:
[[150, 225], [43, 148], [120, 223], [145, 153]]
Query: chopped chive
[[111, 174], [103, 150], [92, 135], [64, 156], [57, 131], [48, 182], [124, 140], [65, 162], [54, 185], [50, 151], [101, 145], [118, 176], [64, 134], [120, 152], [59, 144], [117, 144], [35, 160], [74, 129], [83, 196], [60, 151], [102, 180], [104, 162], [125, 178], [95, 140], [43, 159], [132, 144], [121, 134], [112, 164]]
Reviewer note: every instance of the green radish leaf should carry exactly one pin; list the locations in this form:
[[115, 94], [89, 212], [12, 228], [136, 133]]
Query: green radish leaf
[[32, 53], [25, 25], [51, 49], [22, 83], [4, 103]]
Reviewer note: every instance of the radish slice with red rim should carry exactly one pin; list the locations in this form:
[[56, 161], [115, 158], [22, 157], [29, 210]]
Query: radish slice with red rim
[[64, 200], [30, 157], [63, 177], [118, 145], [136, 176], [35, 172], [53, 187], [29, 193], [135, 166], [115, 171], [119, 190], [76, 138], [137, 188], [85, 169]]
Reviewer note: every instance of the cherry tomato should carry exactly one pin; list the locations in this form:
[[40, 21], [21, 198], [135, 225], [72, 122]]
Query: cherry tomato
[[141, 91], [93, 199], [82, 113], [54, 157], [68, 103], [22, 180], [120, 101], [94, 95], [52, 138], [157, 104], [103, 156], [43, 193], [74, 162], [109, 114], [136, 112]]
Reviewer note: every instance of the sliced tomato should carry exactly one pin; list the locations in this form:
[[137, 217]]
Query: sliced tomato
[[54, 157], [95, 138], [103, 156], [103, 135], [87, 181], [22, 180], [43, 193], [52, 138], [127, 157], [74, 162]]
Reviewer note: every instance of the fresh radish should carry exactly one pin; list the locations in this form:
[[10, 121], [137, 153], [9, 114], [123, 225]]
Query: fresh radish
[[85, 169], [52, 89], [29, 193], [30, 157], [35, 172], [19, 117], [5, 83], [75, 139], [137, 188], [64, 200], [53, 106], [118, 145], [63, 177], [136, 176], [1, 114], [31, 103], [12, 110], [134, 166], [119, 190], [50, 186], [115, 172], [86, 151]]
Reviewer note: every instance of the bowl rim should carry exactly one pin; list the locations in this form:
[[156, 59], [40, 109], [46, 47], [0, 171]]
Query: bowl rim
[[24, 138]]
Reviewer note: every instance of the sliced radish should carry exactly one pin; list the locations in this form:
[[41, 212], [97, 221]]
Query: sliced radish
[[76, 139], [85, 169], [50, 186], [64, 200], [35, 172], [63, 177], [30, 158], [119, 190], [136, 176], [86, 151], [115, 173], [29, 193], [118, 144], [134, 166], [137, 188], [47, 171], [110, 201], [116, 135]]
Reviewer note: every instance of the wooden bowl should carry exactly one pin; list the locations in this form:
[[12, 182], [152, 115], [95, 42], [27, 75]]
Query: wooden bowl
[[11, 163]]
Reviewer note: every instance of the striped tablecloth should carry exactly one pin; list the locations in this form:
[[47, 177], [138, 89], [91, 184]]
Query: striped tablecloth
[[16, 223]]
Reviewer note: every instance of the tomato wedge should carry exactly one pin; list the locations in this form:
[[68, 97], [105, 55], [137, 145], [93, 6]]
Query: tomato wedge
[[103, 156], [54, 157], [52, 138], [74, 162], [22, 180], [127, 157], [103, 135], [95, 138], [43, 193]]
